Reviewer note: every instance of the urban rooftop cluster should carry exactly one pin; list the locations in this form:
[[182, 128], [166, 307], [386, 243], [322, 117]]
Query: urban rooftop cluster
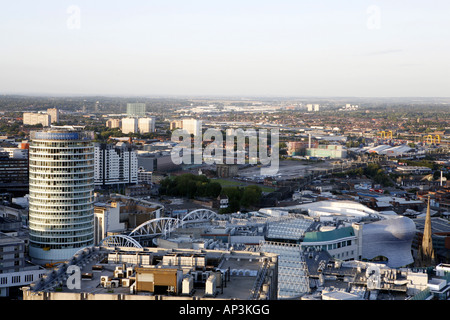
[[358, 208]]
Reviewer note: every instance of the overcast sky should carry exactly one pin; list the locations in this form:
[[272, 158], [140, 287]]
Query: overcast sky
[[376, 48]]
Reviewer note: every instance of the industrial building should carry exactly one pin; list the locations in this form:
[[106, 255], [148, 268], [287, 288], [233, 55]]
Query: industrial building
[[327, 151], [413, 170]]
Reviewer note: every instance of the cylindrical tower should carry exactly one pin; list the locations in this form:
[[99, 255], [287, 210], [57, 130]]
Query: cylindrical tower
[[61, 194]]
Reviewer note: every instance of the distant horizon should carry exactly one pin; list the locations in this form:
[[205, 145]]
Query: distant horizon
[[250, 48], [81, 95]]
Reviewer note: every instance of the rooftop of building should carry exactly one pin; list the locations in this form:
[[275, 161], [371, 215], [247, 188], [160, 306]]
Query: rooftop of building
[[438, 225], [6, 239], [240, 268], [323, 236]]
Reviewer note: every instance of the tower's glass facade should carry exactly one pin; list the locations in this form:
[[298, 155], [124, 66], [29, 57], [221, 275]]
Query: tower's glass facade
[[61, 194]]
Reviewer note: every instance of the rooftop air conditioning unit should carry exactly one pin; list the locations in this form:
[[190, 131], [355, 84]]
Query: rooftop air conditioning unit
[[210, 287], [126, 282], [130, 271], [187, 285], [104, 280], [114, 283], [118, 274]]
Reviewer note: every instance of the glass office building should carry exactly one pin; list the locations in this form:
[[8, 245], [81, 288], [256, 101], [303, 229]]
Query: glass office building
[[61, 194]]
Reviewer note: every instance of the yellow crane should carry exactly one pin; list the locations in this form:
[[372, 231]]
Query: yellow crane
[[430, 139], [386, 134]]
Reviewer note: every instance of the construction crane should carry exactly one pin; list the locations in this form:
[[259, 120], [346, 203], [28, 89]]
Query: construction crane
[[430, 139], [386, 134]]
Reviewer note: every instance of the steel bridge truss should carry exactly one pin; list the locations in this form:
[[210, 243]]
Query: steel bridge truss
[[120, 241], [155, 227], [199, 216], [164, 226]]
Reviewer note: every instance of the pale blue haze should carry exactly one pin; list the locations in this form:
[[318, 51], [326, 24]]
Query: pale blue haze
[[191, 47]]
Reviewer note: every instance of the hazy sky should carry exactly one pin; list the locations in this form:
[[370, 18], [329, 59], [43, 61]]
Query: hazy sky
[[246, 47]]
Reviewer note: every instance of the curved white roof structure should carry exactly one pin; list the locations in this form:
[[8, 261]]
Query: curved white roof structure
[[339, 208], [390, 150]]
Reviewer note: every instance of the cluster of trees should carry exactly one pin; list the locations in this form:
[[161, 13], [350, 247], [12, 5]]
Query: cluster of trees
[[10, 128], [190, 186], [241, 197], [102, 133], [373, 171], [378, 175], [199, 186], [353, 142]]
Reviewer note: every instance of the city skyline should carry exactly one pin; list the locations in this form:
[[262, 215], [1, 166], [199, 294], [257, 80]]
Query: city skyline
[[287, 48], [204, 151]]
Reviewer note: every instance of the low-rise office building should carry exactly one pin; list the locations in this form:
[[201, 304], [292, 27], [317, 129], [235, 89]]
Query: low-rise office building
[[15, 271]]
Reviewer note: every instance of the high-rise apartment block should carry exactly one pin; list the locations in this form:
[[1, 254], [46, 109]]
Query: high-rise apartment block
[[113, 123], [313, 107], [115, 164], [129, 125], [146, 125], [193, 126], [136, 109], [32, 118], [61, 199], [176, 124], [54, 115]]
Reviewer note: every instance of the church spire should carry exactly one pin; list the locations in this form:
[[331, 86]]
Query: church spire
[[427, 243]]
